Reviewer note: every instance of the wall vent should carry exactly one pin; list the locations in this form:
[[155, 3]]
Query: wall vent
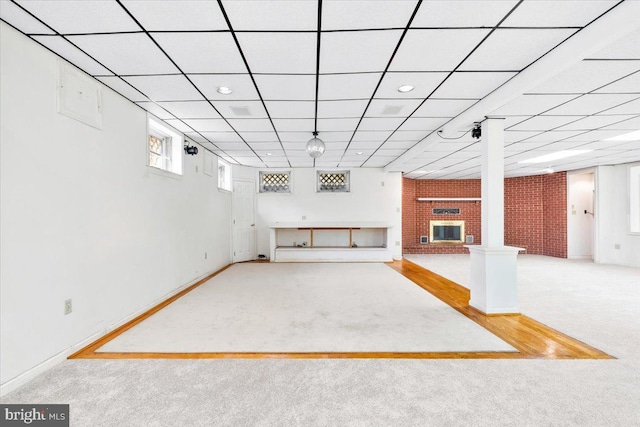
[[424, 240], [445, 211], [468, 239]]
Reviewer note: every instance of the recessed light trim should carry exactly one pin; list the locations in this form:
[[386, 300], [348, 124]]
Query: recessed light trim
[[555, 156], [268, 154], [359, 153], [224, 90], [405, 88]]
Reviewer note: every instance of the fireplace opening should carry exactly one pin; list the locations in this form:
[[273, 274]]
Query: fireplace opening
[[447, 231]]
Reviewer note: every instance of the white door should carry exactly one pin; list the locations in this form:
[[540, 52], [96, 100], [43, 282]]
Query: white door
[[580, 222], [243, 221]]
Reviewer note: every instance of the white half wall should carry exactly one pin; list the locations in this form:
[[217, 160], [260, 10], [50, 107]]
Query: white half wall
[[82, 217], [376, 196], [615, 244]]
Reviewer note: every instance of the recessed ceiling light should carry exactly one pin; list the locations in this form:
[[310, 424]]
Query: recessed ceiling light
[[405, 88], [555, 156], [268, 154], [223, 90], [631, 136], [359, 153]]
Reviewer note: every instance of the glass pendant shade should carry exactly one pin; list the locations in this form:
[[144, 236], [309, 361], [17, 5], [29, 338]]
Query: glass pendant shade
[[315, 147]]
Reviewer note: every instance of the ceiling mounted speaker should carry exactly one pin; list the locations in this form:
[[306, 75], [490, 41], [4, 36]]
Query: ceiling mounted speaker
[[315, 146]]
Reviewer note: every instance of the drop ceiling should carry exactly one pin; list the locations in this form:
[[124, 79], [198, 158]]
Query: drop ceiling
[[335, 66]]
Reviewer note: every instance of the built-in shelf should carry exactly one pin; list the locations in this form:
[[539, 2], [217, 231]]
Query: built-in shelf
[[449, 199], [330, 242]]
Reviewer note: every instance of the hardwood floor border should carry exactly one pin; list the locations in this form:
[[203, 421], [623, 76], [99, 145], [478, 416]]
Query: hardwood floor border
[[532, 339]]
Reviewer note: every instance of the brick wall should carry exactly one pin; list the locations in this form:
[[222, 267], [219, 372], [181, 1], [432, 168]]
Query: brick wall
[[535, 213], [555, 214]]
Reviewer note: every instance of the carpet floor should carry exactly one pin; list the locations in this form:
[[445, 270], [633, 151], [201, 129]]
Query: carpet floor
[[307, 308], [596, 303]]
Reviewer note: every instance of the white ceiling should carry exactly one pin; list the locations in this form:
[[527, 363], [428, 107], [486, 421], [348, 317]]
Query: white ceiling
[[335, 66]]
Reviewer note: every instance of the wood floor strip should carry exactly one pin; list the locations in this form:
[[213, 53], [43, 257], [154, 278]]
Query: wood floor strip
[[527, 335], [532, 339]]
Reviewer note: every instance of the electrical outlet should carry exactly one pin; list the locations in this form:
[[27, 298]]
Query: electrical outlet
[[205, 255], [382, 183], [616, 246], [304, 217], [67, 307]]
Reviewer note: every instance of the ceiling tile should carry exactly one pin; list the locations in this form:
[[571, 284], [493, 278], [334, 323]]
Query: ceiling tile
[[334, 136], [20, 19], [357, 15], [409, 135], [471, 85], [287, 87], [296, 137], [208, 125], [360, 51], [291, 109], [452, 13], [335, 125], [591, 104], [274, 15], [126, 54], [423, 83], [543, 123], [347, 86], [379, 123], [378, 162], [198, 138], [240, 84], [630, 84], [594, 122], [424, 123], [261, 137], [156, 110], [191, 110], [630, 124], [72, 54], [435, 50], [289, 125], [165, 88], [443, 107], [511, 136], [632, 107], [120, 86], [202, 52], [524, 46], [272, 52], [627, 47], [253, 125], [240, 109], [371, 136], [341, 109], [182, 15], [565, 13], [552, 136], [587, 76], [81, 16], [179, 125], [275, 148], [595, 135], [386, 108], [531, 104], [222, 136]]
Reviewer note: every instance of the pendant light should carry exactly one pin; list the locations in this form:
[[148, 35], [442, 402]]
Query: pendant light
[[315, 146]]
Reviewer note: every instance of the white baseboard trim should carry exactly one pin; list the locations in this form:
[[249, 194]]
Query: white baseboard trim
[[49, 363]]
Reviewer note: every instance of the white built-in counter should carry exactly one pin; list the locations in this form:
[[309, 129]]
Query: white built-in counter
[[308, 241]]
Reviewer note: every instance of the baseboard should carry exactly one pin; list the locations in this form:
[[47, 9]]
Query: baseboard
[[55, 360]]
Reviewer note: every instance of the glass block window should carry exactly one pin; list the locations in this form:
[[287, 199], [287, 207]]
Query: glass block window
[[275, 182], [333, 182]]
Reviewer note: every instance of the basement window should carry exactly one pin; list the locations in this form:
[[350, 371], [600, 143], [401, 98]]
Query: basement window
[[164, 147], [275, 182], [333, 182], [224, 175]]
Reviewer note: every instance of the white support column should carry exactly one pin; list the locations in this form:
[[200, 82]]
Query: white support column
[[493, 281]]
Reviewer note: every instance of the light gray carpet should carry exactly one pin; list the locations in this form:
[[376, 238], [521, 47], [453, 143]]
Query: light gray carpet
[[307, 308], [387, 392]]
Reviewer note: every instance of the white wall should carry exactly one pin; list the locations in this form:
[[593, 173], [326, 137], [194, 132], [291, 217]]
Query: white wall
[[368, 200], [614, 243], [83, 217]]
